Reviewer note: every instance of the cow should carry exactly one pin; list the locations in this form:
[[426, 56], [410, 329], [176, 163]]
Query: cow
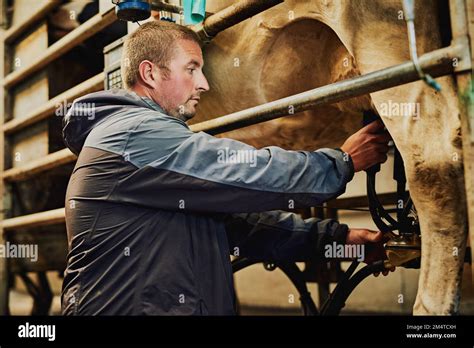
[[299, 45]]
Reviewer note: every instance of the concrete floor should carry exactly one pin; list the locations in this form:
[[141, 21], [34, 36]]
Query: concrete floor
[[21, 303]]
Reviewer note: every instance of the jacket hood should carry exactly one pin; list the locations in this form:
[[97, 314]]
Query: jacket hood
[[88, 111]]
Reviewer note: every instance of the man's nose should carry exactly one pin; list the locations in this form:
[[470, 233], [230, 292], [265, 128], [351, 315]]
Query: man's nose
[[202, 83]]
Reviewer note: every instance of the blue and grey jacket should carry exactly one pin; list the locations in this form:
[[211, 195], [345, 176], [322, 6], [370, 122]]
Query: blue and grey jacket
[[154, 210]]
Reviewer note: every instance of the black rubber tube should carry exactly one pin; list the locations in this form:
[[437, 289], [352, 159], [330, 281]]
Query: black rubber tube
[[291, 270], [338, 298]]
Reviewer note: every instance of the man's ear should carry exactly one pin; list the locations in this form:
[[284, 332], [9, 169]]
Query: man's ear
[[148, 73]]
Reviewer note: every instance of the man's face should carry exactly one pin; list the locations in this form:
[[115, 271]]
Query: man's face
[[179, 90]]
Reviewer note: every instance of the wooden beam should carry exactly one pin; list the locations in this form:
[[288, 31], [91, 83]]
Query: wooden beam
[[95, 83], [15, 31], [50, 217], [50, 161], [69, 41]]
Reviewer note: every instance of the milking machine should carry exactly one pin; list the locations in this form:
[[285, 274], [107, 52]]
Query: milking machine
[[403, 248]]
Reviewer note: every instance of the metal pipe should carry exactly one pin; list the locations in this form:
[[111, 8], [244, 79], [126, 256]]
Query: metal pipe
[[459, 24], [230, 16], [460, 33], [409, 11], [162, 6], [437, 63]]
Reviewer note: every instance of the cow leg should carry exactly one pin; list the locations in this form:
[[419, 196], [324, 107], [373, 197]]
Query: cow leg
[[430, 144], [437, 190]]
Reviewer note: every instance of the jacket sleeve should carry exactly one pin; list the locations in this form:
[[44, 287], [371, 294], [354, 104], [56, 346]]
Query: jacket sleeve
[[196, 172], [281, 236]]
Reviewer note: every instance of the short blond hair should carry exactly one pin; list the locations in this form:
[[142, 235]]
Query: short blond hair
[[154, 41]]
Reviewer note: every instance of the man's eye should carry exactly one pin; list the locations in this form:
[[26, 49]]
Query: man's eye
[[191, 70]]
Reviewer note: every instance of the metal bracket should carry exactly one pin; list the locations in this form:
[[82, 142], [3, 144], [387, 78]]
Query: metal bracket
[[464, 62], [201, 32]]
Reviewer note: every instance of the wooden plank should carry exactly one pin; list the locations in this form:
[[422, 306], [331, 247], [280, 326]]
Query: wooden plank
[[45, 218], [72, 39], [24, 9], [28, 19], [58, 103], [3, 14], [34, 92], [26, 50], [30, 94], [45, 163], [105, 5], [29, 145]]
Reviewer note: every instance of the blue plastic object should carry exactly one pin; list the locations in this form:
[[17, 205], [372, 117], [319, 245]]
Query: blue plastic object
[[133, 10], [194, 11]]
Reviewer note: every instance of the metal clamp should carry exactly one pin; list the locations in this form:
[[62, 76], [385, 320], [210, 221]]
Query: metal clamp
[[201, 32]]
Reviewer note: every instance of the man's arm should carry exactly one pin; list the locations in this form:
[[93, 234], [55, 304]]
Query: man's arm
[[281, 236], [194, 172]]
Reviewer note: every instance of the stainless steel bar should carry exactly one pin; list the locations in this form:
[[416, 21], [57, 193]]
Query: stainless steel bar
[[162, 6], [232, 15]]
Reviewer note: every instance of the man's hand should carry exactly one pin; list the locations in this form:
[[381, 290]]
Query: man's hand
[[373, 241], [368, 146]]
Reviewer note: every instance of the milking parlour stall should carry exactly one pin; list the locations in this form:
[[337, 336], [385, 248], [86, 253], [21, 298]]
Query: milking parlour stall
[[288, 170]]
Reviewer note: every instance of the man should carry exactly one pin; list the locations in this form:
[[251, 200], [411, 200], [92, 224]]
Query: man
[[152, 213]]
